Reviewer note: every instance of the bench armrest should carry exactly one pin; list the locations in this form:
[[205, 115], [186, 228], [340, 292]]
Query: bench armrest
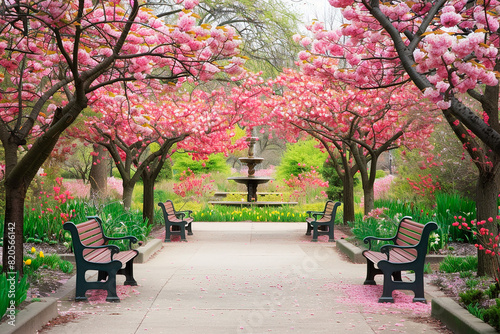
[[368, 240], [311, 213], [132, 240], [387, 248], [184, 213]]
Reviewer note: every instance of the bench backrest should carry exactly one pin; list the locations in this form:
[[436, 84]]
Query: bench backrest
[[168, 210], [330, 210], [88, 233], [411, 233]]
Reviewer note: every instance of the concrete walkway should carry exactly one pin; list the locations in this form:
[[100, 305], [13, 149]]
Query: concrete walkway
[[248, 278]]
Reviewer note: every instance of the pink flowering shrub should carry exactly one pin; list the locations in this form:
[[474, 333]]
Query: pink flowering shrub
[[307, 187], [487, 241], [47, 209], [193, 187], [426, 186], [79, 189]]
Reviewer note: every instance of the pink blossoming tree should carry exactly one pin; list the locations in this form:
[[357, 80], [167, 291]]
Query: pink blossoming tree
[[447, 48], [354, 126], [56, 54]]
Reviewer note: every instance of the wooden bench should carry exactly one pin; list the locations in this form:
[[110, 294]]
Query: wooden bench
[[176, 222], [322, 222], [92, 252], [407, 252]]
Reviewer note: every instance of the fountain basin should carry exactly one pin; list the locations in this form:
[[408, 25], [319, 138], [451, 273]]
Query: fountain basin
[[251, 182]]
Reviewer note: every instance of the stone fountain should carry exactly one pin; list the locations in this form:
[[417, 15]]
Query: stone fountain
[[251, 181]]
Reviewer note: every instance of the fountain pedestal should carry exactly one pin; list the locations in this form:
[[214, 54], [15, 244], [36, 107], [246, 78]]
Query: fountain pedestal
[[251, 181]]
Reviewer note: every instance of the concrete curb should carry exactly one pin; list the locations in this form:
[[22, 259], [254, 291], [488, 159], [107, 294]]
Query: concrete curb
[[458, 319], [37, 314], [32, 317], [444, 309], [353, 252], [146, 251]]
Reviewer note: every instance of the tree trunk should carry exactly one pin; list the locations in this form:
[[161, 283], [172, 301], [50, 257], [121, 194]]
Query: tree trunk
[[348, 197], [148, 194], [13, 227], [486, 204], [369, 196], [128, 189], [98, 173]]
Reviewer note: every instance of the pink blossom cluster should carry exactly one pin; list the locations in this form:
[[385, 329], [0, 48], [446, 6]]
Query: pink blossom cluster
[[193, 186], [148, 48], [425, 186], [487, 240], [305, 184], [50, 204], [455, 48], [382, 186]]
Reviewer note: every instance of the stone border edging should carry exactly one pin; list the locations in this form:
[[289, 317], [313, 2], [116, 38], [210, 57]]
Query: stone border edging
[[458, 319], [353, 252], [444, 309], [34, 316]]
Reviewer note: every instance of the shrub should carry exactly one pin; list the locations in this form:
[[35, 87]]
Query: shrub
[[299, 158], [453, 264], [472, 296], [215, 163], [492, 315]]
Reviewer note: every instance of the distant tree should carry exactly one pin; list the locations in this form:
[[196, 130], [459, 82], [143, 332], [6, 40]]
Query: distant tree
[[266, 27], [299, 157]]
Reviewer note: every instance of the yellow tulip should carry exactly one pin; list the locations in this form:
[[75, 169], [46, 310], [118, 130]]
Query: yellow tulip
[[27, 262], [41, 254], [33, 250]]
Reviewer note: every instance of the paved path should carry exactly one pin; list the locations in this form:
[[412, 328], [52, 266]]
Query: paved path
[[248, 278]]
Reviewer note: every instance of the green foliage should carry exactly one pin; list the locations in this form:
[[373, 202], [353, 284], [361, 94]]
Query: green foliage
[[118, 222], [492, 315], [472, 296], [34, 261], [493, 291], [443, 213], [12, 288], [166, 172], [300, 157], [384, 227], [454, 174], [449, 206], [466, 274], [476, 310], [215, 163], [471, 283], [264, 214], [266, 27], [335, 184], [455, 264]]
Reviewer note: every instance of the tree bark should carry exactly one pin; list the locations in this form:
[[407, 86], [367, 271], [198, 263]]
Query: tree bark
[[369, 196], [128, 189], [148, 201], [98, 173], [13, 227], [348, 196]]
